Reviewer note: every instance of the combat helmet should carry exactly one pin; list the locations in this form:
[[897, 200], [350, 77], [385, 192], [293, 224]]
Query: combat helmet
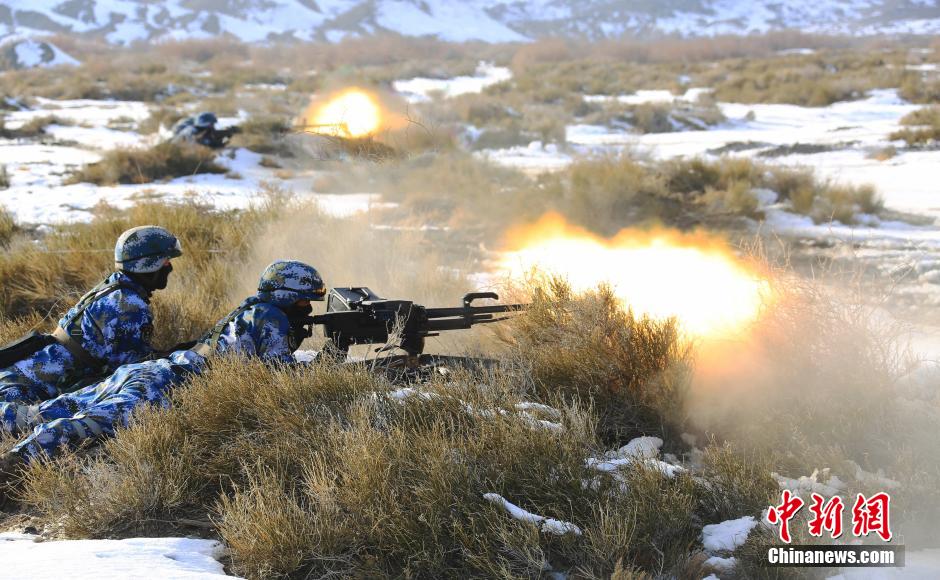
[[206, 120], [287, 281], [145, 249]]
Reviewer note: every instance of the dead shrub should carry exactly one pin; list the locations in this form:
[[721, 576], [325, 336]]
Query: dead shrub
[[610, 193], [7, 223], [265, 135], [144, 165], [922, 127], [590, 349]]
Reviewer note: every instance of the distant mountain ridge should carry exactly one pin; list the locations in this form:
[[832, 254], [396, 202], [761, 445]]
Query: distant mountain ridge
[[124, 21]]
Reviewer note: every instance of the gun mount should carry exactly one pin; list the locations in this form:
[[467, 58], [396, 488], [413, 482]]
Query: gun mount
[[358, 316]]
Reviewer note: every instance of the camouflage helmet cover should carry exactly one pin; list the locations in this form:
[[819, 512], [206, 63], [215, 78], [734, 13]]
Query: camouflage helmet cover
[[287, 281], [206, 119], [145, 249]]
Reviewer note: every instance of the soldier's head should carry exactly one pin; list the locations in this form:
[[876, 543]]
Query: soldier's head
[[145, 253], [291, 285], [205, 120]]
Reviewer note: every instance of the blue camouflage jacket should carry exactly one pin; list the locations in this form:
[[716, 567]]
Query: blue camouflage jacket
[[115, 329], [261, 329]]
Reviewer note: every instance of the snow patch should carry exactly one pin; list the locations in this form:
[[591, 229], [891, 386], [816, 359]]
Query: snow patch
[[178, 558], [651, 97], [727, 536], [420, 89], [31, 53], [642, 450], [811, 484], [547, 525]]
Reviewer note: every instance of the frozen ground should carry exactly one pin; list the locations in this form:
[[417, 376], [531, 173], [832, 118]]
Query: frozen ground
[[420, 89], [138, 558]]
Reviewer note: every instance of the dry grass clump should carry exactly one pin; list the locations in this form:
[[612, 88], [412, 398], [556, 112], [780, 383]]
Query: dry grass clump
[[922, 127], [813, 80], [655, 117], [609, 193], [122, 75], [4, 180], [35, 127], [589, 348], [265, 135], [730, 185], [7, 223], [165, 160], [917, 89], [509, 117]]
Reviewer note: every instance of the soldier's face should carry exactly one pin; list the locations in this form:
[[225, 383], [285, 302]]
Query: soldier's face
[[162, 276]]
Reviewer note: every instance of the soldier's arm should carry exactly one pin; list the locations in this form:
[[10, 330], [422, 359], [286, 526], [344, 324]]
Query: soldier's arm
[[273, 341]]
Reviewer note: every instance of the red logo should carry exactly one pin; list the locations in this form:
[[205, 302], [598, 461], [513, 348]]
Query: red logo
[[826, 516], [783, 513], [871, 515]]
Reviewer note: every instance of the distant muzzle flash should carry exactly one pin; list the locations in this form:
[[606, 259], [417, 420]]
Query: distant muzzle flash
[[350, 113], [662, 273]]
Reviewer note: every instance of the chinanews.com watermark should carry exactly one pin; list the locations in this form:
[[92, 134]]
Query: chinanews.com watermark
[[828, 556], [870, 520]]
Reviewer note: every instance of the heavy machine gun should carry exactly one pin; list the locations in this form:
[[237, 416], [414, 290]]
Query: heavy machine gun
[[358, 316]]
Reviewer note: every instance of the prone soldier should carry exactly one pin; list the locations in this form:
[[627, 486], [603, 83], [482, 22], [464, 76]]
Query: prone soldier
[[272, 323], [268, 325], [110, 326], [201, 130]]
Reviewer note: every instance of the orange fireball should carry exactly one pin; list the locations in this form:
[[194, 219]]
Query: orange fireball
[[661, 273], [350, 113]]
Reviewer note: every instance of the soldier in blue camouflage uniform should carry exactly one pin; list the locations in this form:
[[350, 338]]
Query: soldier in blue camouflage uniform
[[201, 130], [110, 326], [272, 323], [269, 325]]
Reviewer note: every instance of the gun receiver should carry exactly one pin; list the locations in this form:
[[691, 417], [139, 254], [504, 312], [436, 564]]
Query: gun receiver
[[359, 316]]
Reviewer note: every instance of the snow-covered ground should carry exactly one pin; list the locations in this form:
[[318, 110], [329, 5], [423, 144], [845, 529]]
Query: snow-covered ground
[[22, 556], [844, 135], [420, 89]]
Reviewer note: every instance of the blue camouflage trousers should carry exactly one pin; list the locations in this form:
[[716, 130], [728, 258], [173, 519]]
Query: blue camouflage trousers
[[15, 386], [97, 410]]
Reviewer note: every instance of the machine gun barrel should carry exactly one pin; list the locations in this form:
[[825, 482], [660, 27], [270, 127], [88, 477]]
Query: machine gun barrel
[[463, 311]]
